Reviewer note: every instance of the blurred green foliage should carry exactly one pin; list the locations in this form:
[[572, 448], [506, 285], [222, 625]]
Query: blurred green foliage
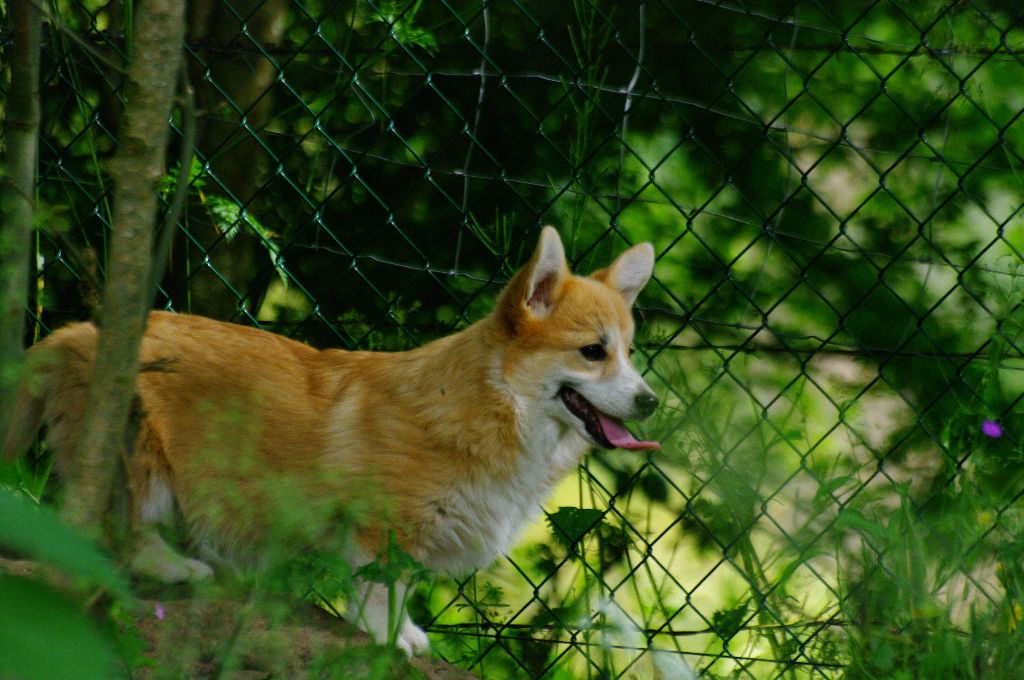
[[43, 632], [834, 194]]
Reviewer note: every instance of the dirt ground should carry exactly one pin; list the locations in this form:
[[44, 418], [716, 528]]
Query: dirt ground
[[182, 637], [198, 638]]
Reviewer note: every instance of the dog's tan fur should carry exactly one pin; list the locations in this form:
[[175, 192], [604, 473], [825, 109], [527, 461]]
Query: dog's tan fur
[[450, 445]]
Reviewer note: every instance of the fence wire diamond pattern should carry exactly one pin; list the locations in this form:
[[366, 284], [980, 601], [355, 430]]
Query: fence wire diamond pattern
[[834, 194]]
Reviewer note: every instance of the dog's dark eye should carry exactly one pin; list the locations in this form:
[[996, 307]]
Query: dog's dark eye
[[593, 352]]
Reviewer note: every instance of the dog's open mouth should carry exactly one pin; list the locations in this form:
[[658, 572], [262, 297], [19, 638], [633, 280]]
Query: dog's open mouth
[[606, 430]]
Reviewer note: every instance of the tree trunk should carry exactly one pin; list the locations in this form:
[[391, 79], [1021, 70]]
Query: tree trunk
[[17, 198], [136, 170]]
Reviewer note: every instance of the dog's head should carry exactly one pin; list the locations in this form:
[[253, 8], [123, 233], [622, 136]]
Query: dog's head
[[570, 340]]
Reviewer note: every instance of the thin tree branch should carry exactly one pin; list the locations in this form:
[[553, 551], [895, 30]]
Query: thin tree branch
[[17, 195], [57, 22], [157, 37], [180, 196]]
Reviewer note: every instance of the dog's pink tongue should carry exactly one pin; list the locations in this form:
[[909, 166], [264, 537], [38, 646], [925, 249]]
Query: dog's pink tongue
[[620, 437]]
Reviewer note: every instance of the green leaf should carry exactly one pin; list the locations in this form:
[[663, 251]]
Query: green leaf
[[226, 215], [392, 566], [230, 218], [36, 533], [883, 657], [790, 568], [44, 636], [654, 485], [569, 525], [855, 520], [728, 622], [170, 181], [829, 487], [267, 240], [399, 20]]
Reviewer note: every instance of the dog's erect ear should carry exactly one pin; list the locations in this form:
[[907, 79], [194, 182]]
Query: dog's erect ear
[[545, 273], [630, 272], [535, 288]]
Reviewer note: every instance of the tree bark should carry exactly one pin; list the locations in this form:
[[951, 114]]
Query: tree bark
[[136, 170], [17, 197]]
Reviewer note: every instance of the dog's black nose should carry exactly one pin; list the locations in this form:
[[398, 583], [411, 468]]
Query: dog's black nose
[[646, 402]]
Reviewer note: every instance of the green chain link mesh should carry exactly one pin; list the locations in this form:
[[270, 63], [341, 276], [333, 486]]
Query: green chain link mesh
[[834, 192]]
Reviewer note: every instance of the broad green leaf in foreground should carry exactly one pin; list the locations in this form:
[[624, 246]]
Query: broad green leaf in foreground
[[37, 534], [44, 636]]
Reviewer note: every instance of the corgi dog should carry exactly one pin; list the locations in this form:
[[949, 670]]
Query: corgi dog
[[449, 449]]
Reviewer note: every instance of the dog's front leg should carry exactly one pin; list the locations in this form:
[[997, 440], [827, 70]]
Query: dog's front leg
[[379, 610]]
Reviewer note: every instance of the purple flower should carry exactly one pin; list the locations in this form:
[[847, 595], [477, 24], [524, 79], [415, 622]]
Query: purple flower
[[159, 610], [991, 428]]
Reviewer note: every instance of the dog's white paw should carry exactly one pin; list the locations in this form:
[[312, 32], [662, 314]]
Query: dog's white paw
[[371, 610], [156, 560], [412, 639], [170, 569], [197, 570]]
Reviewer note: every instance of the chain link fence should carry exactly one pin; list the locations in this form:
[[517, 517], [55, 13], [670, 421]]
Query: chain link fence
[[834, 192]]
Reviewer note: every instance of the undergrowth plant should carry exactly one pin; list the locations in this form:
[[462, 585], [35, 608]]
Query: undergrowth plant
[[70, 611], [834, 325]]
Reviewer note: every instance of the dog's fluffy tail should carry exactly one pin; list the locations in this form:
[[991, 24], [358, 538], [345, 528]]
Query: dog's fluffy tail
[[25, 421], [42, 375], [53, 390]]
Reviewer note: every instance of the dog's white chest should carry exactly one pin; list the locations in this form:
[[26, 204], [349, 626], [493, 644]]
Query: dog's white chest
[[481, 518]]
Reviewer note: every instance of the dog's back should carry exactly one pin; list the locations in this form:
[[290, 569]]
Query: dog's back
[[221, 406]]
